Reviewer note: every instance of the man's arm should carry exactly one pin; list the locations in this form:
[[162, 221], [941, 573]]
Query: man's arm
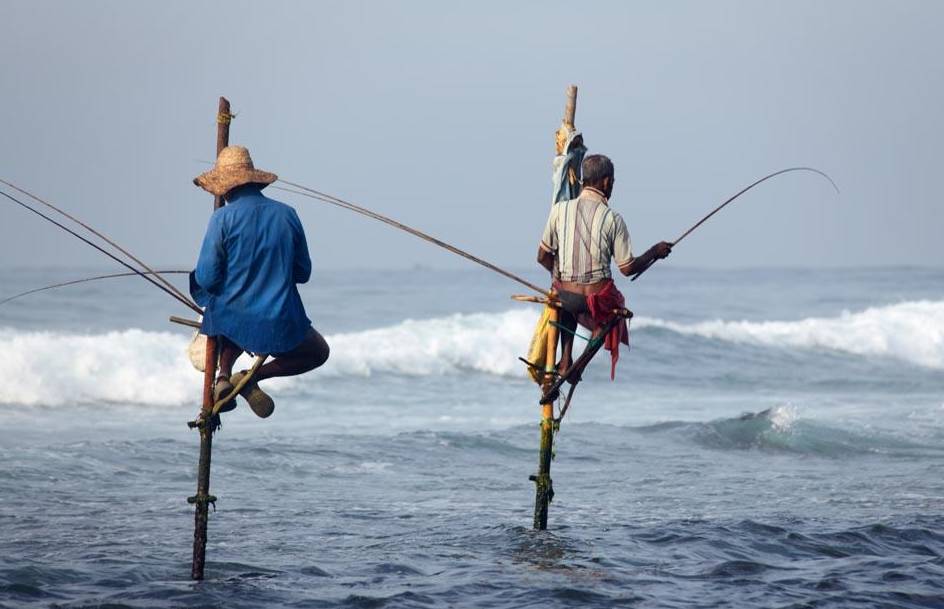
[[547, 251], [301, 266], [546, 258], [623, 251], [657, 252], [211, 265]]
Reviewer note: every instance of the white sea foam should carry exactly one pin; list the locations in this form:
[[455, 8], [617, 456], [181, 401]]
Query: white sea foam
[[909, 331], [479, 342], [128, 366], [783, 417], [133, 366]]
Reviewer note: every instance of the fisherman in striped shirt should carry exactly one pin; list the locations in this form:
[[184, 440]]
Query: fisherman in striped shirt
[[582, 235]]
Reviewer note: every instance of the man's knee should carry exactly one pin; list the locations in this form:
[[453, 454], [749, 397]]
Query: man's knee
[[318, 350], [322, 354]]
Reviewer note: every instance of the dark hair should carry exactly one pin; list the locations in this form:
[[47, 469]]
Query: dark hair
[[595, 168]]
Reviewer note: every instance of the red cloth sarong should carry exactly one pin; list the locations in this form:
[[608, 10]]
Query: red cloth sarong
[[601, 305]]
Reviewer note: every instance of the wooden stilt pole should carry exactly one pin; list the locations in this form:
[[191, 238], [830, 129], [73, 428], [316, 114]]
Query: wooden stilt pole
[[202, 500], [570, 108], [207, 422], [223, 119], [544, 488]]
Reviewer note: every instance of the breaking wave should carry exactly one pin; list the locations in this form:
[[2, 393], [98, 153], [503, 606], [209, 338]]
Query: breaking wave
[[781, 429], [911, 331], [135, 366], [908, 331], [127, 366]]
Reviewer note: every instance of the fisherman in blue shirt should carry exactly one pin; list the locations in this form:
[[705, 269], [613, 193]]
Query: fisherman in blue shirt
[[253, 255]]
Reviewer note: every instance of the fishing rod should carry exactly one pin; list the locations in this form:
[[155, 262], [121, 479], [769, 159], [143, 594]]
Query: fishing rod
[[314, 194], [84, 280], [105, 238], [738, 194], [320, 196], [324, 197], [125, 264]]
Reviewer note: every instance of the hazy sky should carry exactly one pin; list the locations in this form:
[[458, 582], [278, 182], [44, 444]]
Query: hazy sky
[[442, 114]]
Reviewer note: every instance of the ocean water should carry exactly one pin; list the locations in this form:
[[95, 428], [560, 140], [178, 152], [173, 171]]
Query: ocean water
[[772, 439]]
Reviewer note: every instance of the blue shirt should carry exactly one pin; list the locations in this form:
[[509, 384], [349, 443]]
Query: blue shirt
[[253, 254]]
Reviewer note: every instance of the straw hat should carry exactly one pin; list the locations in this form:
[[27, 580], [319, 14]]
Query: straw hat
[[233, 168]]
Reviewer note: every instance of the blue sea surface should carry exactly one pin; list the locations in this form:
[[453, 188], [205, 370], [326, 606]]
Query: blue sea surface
[[772, 439]]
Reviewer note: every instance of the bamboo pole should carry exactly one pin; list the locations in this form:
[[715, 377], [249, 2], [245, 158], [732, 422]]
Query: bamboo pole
[[207, 421], [570, 108], [544, 488], [567, 126], [223, 119]]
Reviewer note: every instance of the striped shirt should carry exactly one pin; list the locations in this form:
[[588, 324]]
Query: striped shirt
[[584, 234]]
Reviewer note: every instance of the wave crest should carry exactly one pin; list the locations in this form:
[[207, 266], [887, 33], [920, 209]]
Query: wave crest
[[139, 367], [130, 366], [134, 366], [781, 429], [909, 331]]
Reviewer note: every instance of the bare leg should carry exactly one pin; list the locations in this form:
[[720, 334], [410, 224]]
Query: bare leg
[[578, 373], [229, 352], [310, 354], [569, 322]]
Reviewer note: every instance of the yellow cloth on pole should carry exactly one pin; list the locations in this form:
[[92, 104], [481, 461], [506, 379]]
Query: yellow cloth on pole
[[537, 350]]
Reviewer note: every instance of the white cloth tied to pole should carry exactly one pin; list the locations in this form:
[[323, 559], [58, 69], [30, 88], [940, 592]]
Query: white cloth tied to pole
[[565, 165]]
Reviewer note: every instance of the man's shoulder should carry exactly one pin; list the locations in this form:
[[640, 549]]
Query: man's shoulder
[[278, 206], [563, 204], [241, 208], [615, 215]]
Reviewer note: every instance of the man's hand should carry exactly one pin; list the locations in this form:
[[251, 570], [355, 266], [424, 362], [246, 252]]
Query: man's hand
[[658, 251], [661, 250]]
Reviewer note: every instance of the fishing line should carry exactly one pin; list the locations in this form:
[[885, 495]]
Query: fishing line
[[324, 197], [745, 189], [183, 300], [169, 285], [735, 196], [314, 194], [77, 281]]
